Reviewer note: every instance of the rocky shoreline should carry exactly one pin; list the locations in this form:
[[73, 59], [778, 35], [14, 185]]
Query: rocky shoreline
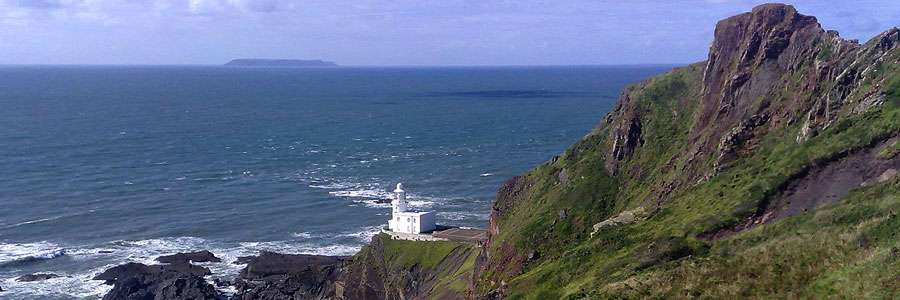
[[383, 269], [268, 275]]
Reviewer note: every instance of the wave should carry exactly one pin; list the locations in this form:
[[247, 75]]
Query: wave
[[37, 221], [304, 235], [366, 193], [24, 253], [460, 216], [77, 286], [364, 235]]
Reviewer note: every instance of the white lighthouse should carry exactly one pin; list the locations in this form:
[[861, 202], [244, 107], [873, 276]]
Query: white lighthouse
[[408, 221], [399, 202]]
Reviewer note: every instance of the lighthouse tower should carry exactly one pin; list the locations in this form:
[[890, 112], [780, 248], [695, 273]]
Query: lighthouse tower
[[405, 220], [399, 203]]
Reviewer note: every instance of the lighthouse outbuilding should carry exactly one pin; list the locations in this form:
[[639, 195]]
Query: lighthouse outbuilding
[[409, 221]]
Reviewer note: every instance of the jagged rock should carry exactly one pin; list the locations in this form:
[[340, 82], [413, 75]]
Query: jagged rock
[[887, 175], [187, 287], [735, 140], [625, 217], [163, 271], [172, 281], [290, 276], [869, 102], [242, 260], [271, 263], [36, 277], [625, 136], [198, 256], [218, 282], [564, 177]]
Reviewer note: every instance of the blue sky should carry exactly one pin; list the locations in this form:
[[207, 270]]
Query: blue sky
[[392, 33]]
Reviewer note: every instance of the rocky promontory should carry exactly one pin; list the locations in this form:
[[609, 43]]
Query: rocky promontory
[[384, 269]]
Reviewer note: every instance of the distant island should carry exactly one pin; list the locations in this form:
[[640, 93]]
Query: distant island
[[257, 62]]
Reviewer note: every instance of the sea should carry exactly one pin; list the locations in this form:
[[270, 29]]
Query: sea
[[103, 165]]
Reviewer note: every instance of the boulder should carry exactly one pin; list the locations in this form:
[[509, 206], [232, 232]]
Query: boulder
[[36, 277], [198, 256], [172, 281], [153, 273], [271, 263], [285, 276]]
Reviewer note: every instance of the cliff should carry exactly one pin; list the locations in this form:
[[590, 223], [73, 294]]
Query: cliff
[[767, 171]]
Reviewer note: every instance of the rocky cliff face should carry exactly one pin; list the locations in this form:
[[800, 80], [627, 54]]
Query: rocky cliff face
[[708, 151], [768, 69]]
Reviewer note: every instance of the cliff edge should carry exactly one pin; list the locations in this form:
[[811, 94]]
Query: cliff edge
[[767, 171]]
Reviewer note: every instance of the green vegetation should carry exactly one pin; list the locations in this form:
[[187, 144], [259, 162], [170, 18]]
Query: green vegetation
[[889, 151], [825, 51], [848, 249], [406, 254], [442, 268]]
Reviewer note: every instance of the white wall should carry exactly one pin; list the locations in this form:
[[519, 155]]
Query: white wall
[[412, 222], [427, 222]]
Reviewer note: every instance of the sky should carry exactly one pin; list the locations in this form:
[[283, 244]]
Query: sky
[[392, 33]]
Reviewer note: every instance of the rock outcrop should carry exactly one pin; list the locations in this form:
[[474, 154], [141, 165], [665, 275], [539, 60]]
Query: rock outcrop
[[36, 277], [183, 258], [779, 107], [282, 276], [158, 282], [380, 271]]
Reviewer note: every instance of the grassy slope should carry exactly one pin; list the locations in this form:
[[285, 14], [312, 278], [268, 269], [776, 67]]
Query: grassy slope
[[846, 250], [853, 238], [449, 265]]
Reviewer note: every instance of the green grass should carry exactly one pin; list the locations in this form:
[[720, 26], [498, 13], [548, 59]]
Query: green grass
[[814, 255], [889, 151], [447, 268], [846, 250], [425, 255]]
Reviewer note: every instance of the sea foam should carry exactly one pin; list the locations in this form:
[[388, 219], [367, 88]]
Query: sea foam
[[11, 253]]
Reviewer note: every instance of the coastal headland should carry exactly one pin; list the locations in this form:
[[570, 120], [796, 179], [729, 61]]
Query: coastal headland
[[767, 171]]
